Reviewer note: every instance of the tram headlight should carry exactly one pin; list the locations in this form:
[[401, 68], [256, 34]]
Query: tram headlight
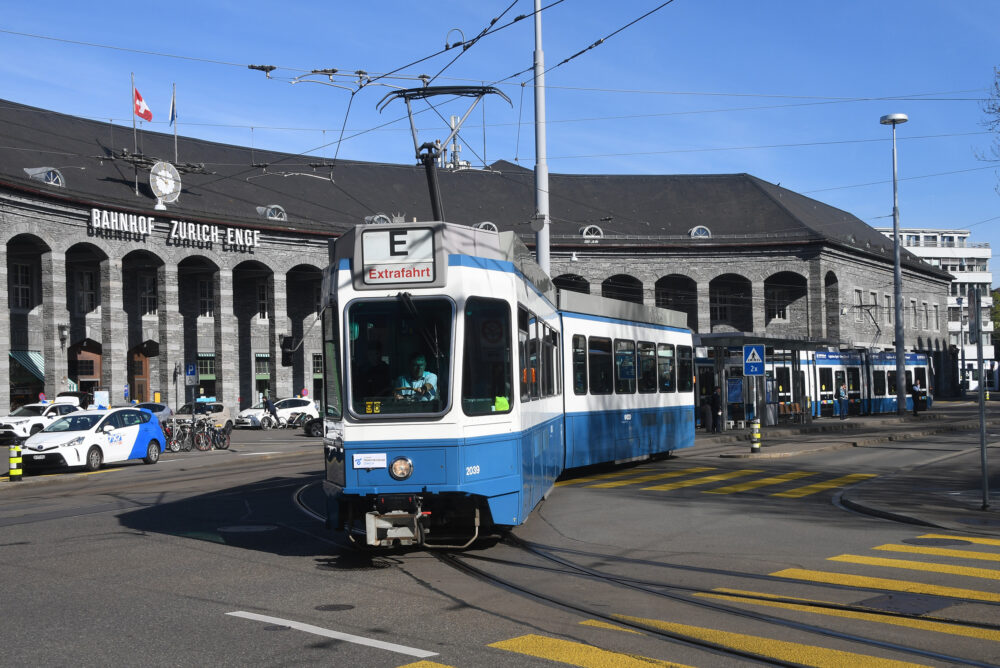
[[401, 468]]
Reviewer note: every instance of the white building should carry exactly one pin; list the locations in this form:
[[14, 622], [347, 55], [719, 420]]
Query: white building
[[968, 263]]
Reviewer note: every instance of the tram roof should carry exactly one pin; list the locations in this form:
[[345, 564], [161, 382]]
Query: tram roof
[[240, 182], [577, 302]]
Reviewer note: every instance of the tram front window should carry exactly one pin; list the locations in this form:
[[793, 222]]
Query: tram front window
[[399, 355]]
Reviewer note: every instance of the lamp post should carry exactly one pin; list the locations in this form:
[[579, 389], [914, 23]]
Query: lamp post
[[897, 273]]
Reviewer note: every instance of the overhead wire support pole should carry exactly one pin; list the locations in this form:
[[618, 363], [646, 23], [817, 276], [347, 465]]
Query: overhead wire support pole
[[541, 160], [976, 326]]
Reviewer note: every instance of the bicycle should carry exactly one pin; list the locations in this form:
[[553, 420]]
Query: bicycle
[[202, 439], [180, 437]]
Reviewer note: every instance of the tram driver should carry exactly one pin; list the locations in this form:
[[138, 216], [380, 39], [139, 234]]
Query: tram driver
[[419, 384]]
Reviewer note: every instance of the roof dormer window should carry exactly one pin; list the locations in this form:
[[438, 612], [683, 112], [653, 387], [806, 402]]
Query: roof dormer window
[[591, 234], [272, 212], [486, 225], [50, 176], [700, 232]]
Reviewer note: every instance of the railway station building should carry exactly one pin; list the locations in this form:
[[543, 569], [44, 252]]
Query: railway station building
[[120, 273]]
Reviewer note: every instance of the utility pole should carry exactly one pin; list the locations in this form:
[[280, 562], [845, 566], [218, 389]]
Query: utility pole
[[975, 326], [541, 161]]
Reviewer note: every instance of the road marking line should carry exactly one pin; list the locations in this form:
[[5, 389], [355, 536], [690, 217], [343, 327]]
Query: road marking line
[[885, 584], [611, 627], [425, 664], [924, 625], [591, 478], [762, 482], [810, 655], [327, 633], [978, 541], [967, 571], [576, 654], [653, 476], [822, 486], [254, 454], [701, 481], [939, 552]]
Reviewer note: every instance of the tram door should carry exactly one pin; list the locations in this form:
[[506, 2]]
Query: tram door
[[853, 391], [826, 392]]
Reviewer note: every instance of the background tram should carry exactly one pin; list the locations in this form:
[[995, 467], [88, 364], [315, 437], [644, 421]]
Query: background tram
[[522, 389], [811, 385]]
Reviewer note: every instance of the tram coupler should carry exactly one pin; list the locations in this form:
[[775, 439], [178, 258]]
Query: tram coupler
[[755, 436]]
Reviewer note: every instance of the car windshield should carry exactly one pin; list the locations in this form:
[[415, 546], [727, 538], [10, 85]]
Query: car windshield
[[400, 358], [74, 423], [186, 409], [27, 411], [152, 407]]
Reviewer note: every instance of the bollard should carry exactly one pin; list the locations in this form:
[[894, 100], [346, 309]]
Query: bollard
[[14, 475], [755, 435]]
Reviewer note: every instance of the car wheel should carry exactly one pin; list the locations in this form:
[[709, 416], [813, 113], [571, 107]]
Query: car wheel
[[94, 458], [152, 453], [316, 428], [229, 427]]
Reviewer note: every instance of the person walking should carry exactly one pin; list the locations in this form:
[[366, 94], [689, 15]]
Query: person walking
[[717, 411], [842, 400], [916, 392]]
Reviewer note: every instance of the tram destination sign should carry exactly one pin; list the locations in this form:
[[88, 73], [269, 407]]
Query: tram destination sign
[[395, 255]]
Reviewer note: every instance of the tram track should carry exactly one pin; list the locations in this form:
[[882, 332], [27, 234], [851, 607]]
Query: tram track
[[687, 595]]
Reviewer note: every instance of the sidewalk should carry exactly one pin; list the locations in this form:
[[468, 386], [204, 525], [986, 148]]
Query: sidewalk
[[945, 494]]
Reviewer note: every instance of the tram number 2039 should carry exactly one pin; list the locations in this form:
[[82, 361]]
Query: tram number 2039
[[472, 470]]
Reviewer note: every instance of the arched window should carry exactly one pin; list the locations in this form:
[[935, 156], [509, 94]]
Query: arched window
[[272, 212], [591, 234], [486, 225], [700, 232]]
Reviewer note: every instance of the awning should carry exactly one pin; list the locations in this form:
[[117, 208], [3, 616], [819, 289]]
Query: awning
[[32, 361]]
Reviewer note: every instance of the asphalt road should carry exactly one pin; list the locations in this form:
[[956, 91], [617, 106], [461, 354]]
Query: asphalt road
[[219, 559]]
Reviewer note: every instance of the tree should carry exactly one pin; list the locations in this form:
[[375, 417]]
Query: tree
[[991, 107]]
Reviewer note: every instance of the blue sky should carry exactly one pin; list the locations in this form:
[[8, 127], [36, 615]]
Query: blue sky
[[790, 91]]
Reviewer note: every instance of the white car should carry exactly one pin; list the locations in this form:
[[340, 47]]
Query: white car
[[31, 419], [251, 417], [91, 438]]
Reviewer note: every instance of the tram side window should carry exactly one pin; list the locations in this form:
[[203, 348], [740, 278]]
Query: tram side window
[[331, 363], [826, 380], [534, 353], [600, 364], [909, 382], [878, 383], [667, 366], [922, 377], [647, 367], [486, 366], [854, 379], [548, 362], [556, 361], [624, 366], [685, 369], [579, 364], [522, 350], [890, 377]]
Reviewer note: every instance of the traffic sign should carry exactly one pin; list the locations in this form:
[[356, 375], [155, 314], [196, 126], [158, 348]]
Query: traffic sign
[[753, 360], [126, 392], [191, 374]]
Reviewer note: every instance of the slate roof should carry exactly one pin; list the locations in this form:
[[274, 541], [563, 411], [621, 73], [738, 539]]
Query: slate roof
[[647, 209]]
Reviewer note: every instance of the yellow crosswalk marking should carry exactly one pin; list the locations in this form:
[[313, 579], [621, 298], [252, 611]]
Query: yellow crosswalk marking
[[601, 476], [701, 481], [611, 627], [939, 552], [425, 664], [807, 655], [576, 654], [822, 486], [762, 482], [967, 571], [885, 584], [653, 476], [923, 625], [977, 541]]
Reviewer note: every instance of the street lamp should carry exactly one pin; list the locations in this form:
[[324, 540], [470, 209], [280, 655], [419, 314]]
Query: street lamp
[[897, 273]]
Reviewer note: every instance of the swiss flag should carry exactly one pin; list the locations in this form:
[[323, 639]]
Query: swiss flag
[[140, 107]]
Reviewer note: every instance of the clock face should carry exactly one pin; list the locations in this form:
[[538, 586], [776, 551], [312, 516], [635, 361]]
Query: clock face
[[164, 181]]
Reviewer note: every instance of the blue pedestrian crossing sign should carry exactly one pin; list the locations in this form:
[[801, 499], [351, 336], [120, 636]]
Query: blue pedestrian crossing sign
[[753, 360]]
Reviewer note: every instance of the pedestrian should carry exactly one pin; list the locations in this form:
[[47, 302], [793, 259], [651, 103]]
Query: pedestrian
[[717, 410], [269, 405], [916, 392], [842, 400]]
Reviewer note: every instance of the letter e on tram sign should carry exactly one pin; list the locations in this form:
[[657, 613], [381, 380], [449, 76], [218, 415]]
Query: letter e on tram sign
[[753, 360]]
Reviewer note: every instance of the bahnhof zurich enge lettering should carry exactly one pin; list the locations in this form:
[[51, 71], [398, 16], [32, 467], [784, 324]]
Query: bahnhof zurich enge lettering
[[108, 287]]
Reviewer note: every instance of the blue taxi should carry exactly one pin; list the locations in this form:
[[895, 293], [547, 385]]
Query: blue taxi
[[95, 437]]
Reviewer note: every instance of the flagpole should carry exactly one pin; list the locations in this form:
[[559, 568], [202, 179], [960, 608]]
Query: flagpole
[[135, 137], [173, 120]]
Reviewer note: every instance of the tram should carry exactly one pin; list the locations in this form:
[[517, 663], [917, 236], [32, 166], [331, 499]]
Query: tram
[[465, 385]]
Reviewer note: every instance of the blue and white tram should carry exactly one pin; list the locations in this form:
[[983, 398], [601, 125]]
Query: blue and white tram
[[443, 350], [871, 381]]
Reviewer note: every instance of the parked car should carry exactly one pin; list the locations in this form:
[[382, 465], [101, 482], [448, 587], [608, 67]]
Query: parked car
[[215, 409], [316, 426], [81, 399], [284, 407], [160, 411], [94, 437], [31, 419]]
